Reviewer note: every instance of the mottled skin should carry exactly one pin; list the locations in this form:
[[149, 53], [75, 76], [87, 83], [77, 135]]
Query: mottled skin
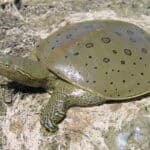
[[64, 62]]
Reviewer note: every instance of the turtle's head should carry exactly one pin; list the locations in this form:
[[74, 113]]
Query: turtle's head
[[23, 70]]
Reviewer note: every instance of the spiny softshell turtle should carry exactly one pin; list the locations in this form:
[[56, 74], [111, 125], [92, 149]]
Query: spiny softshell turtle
[[86, 64]]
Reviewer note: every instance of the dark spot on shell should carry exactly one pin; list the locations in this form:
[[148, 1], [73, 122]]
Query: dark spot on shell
[[66, 56], [87, 81], [76, 53], [86, 64], [53, 48], [122, 62], [112, 70], [89, 45], [118, 33], [138, 83], [132, 40], [142, 73], [38, 45], [90, 57], [116, 89], [134, 63], [111, 83], [114, 51], [68, 36], [128, 52], [105, 91], [106, 40], [129, 90], [118, 70], [143, 50], [106, 60], [94, 81], [106, 72], [132, 75], [95, 67], [140, 58], [130, 32], [123, 81], [118, 95]]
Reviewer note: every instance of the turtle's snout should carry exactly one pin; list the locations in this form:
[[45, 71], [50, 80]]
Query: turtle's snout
[[23, 70], [5, 64]]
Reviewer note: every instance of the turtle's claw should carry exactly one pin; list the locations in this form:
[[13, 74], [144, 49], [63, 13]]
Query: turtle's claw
[[54, 112], [49, 124]]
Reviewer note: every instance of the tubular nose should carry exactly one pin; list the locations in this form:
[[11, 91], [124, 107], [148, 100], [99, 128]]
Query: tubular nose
[[4, 60]]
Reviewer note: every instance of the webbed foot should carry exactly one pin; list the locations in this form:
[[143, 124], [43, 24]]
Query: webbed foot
[[48, 124], [53, 113]]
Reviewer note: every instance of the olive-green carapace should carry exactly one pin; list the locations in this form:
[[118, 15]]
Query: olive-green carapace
[[110, 58], [85, 64]]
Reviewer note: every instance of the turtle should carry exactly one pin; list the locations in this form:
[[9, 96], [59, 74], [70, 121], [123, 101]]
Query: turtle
[[85, 64]]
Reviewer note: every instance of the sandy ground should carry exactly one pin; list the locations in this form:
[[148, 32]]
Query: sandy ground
[[118, 126]]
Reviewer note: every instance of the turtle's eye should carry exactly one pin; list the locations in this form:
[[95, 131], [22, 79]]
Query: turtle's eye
[[6, 64]]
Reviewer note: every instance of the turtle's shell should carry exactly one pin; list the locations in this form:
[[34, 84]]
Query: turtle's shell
[[108, 58]]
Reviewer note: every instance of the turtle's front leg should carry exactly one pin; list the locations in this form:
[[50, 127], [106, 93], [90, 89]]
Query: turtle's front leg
[[62, 99], [54, 112]]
